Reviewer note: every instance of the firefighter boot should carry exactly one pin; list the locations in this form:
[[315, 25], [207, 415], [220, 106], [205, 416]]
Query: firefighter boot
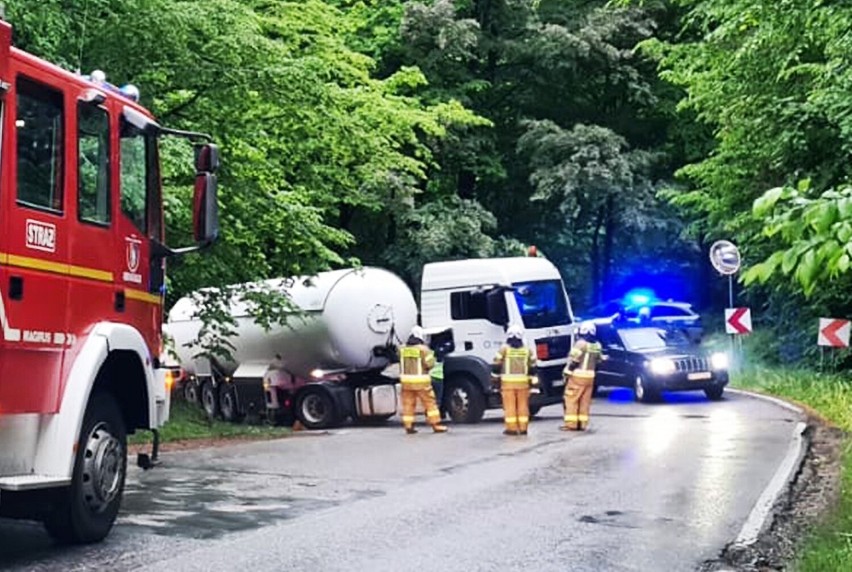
[[410, 430], [438, 428]]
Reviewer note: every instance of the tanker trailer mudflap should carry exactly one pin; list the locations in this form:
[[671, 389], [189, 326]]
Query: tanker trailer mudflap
[[243, 393]]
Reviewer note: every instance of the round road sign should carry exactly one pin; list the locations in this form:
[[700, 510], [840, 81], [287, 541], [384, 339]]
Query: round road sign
[[725, 257]]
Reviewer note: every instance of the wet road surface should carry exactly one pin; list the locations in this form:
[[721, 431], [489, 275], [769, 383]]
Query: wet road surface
[[650, 487]]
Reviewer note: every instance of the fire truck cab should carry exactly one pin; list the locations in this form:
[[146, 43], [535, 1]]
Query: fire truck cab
[[82, 260]]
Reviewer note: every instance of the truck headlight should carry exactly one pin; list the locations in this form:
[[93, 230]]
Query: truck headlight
[[719, 360], [662, 366]]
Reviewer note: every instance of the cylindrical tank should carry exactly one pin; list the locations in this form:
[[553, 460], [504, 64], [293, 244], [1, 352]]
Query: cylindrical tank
[[348, 313]]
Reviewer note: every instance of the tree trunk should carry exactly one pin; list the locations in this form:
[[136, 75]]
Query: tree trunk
[[596, 259], [609, 241]]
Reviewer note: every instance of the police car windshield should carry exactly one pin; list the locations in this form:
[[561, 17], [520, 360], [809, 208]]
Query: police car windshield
[[542, 303], [639, 339]]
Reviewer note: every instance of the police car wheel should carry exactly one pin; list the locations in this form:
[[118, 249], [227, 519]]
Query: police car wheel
[[714, 392], [88, 509]]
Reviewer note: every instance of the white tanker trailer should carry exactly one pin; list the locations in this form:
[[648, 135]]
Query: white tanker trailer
[[322, 366]]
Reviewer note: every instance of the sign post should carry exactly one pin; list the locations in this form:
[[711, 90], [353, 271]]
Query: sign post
[[725, 258]]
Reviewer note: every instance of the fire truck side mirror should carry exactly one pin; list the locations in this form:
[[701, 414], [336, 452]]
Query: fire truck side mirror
[[205, 208], [207, 158]]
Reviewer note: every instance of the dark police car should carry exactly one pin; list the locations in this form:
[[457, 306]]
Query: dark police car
[[651, 360]]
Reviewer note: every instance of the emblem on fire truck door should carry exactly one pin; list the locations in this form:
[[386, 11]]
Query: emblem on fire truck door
[[133, 255]]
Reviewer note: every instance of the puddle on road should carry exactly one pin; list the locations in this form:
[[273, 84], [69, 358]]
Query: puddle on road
[[209, 505]]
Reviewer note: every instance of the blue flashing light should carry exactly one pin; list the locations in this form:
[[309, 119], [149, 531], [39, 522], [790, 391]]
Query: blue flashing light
[[639, 297]]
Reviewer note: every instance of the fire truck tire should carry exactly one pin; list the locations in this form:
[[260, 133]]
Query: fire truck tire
[[228, 404], [210, 398], [88, 508]]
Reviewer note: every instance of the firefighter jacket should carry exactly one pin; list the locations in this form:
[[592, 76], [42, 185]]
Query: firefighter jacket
[[414, 366], [514, 366], [583, 358]]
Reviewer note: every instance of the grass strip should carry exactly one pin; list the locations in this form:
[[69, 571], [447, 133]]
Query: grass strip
[[188, 422], [828, 548]]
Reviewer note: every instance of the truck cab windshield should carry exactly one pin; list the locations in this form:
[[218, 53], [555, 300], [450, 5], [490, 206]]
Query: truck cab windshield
[[542, 303]]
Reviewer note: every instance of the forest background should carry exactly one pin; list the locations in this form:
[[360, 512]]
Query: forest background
[[621, 138]]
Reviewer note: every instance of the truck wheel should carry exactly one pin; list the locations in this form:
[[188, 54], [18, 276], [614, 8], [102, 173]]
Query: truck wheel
[[228, 404], [315, 409], [191, 393], [465, 402], [88, 508], [210, 398]]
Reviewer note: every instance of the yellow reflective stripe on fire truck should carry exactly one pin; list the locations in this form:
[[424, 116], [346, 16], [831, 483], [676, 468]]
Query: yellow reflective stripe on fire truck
[[142, 296], [55, 267], [77, 271]]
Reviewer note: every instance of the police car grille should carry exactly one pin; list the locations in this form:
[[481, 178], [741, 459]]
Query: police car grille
[[691, 364]]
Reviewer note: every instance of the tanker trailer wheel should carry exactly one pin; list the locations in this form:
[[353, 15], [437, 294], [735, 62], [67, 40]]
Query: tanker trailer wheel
[[315, 408], [465, 402], [89, 506], [191, 392], [228, 404], [210, 398]]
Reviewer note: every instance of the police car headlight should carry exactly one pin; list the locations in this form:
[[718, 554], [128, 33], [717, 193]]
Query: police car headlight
[[662, 366], [719, 360]]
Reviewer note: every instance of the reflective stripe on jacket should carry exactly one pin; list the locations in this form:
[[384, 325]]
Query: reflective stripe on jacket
[[515, 365], [586, 355], [415, 363]]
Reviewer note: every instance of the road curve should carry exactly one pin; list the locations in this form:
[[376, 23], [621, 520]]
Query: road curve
[[649, 488]]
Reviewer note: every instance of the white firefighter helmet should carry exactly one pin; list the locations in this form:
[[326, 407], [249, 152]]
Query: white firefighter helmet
[[417, 332], [587, 328], [515, 331]]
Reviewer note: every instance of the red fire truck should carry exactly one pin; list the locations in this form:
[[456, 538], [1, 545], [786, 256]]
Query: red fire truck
[[82, 262]]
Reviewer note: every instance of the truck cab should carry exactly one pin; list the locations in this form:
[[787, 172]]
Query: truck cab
[[478, 299], [82, 261]]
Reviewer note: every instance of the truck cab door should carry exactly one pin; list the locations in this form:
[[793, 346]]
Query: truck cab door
[[34, 265]]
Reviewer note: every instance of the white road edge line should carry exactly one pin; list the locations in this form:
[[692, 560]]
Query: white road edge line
[[775, 400], [757, 519]]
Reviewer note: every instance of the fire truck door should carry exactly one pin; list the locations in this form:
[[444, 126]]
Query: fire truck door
[[34, 269]]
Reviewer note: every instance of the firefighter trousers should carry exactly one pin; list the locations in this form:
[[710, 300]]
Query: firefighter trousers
[[578, 401], [409, 403], [516, 408]]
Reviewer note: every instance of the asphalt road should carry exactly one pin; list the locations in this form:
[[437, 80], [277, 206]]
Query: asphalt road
[[649, 488]]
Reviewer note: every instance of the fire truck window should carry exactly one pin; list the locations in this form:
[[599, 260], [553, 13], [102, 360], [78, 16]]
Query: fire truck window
[[39, 126], [93, 202], [133, 175]]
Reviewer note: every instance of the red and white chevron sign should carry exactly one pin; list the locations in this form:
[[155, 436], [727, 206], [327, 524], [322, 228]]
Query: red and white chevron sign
[[738, 320], [833, 333]]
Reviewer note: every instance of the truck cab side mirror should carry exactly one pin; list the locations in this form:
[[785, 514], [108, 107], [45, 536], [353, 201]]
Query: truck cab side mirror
[[205, 207]]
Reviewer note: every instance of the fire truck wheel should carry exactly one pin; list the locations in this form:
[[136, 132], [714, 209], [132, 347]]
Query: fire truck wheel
[[88, 508], [210, 398], [228, 404]]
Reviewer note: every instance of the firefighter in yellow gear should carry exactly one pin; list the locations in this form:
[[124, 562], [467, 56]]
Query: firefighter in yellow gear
[[514, 369], [416, 360], [579, 374]]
